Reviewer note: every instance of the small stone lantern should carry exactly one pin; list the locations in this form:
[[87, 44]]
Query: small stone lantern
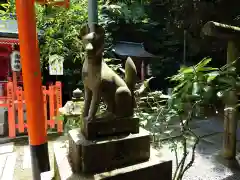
[[72, 110]]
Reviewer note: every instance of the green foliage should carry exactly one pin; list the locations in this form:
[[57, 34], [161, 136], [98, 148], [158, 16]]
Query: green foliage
[[133, 12], [60, 36], [61, 30], [169, 118], [163, 34], [117, 14], [8, 10], [194, 82]]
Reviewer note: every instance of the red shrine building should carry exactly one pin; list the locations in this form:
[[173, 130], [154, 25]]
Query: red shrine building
[[10, 66], [8, 44], [12, 103]]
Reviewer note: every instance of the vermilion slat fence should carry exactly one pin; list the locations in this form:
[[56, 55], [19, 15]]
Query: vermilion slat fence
[[15, 103]]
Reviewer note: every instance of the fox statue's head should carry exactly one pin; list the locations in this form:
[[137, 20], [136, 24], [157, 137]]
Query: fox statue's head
[[93, 41]]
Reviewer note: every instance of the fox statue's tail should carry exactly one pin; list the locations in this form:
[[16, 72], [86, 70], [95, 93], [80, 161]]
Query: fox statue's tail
[[131, 76]]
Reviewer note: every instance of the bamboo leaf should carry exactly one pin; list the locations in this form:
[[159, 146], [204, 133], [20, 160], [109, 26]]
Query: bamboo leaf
[[211, 76], [203, 63]]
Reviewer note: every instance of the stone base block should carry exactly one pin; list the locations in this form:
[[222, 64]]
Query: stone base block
[[3, 123], [102, 127], [153, 169], [2, 129], [107, 154]]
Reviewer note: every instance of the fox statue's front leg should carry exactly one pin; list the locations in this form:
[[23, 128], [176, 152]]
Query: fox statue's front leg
[[95, 101], [87, 101]]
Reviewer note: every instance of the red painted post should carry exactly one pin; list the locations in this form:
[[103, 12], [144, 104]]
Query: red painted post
[[67, 4], [14, 74], [30, 60], [45, 105], [59, 105], [19, 93], [11, 110], [51, 89]]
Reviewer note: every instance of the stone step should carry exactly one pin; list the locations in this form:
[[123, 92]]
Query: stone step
[[108, 153], [7, 161], [154, 169], [9, 167]]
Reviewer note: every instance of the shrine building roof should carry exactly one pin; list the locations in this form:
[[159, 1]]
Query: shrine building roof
[[9, 29], [132, 49]]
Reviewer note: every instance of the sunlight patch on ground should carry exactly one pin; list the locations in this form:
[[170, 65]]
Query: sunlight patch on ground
[[205, 167]]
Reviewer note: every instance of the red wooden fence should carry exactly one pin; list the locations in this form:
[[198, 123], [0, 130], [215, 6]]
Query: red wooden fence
[[15, 103]]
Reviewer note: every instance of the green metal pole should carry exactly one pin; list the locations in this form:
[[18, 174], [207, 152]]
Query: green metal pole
[[92, 14]]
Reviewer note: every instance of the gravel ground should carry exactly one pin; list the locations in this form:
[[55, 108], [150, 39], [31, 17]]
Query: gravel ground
[[208, 164], [211, 166]]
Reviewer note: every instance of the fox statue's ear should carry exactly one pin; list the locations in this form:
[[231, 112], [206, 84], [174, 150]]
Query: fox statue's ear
[[99, 30], [84, 31]]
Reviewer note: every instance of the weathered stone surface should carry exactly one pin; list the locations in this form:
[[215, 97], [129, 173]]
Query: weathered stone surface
[[9, 166], [3, 122], [2, 132], [153, 169], [105, 127], [108, 153]]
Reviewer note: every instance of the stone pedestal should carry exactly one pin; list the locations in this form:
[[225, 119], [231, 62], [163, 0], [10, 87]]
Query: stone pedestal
[[152, 169], [107, 153]]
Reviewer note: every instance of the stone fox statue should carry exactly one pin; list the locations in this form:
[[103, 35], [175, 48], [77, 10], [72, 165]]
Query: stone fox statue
[[101, 82]]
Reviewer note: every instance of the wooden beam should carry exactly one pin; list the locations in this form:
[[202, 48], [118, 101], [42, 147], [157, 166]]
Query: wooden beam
[[222, 31]]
